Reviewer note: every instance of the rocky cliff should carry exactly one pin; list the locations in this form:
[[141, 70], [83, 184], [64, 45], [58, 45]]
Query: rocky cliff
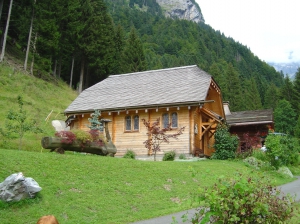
[[182, 9]]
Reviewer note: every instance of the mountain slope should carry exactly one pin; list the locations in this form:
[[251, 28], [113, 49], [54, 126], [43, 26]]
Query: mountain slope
[[41, 99]]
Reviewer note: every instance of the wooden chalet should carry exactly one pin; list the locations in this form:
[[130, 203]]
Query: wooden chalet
[[255, 123], [184, 96]]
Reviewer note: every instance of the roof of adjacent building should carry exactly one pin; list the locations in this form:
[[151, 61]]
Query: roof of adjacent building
[[188, 84], [250, 117]]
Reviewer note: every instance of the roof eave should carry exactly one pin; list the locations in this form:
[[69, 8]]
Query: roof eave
[[152, 106]]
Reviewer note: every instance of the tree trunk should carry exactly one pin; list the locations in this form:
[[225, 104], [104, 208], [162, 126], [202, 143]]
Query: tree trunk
[[94, 148], [29, 40], [59, 67], [6, 31], [34, 50], [81, 76], [54, 70], [1, 7], [71, 76]]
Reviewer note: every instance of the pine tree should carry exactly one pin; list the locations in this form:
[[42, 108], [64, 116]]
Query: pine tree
[[272, 96], [252, 98], [133, 58], [296, 92], [233, 88], [287, 90], [284, 117]]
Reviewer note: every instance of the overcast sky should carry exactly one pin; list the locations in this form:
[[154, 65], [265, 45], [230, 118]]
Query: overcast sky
[[270, 28]]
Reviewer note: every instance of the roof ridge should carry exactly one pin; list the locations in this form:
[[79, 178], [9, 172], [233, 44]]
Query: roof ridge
[[149, 71]]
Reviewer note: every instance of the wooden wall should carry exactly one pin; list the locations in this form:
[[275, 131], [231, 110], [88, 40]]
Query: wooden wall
[[133, 140]]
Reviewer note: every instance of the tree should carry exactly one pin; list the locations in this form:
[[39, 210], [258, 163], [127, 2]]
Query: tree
[[252, 98], [284, 117], [225, 144], [18, 122], [6, 31], [233, 89], [286, 91], [96, 45], [296, 93], [133, 55], [272, 96], [156, 135]]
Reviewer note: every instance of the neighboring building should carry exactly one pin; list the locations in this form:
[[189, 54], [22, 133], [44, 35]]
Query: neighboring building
[[255, 124], [184, 96]]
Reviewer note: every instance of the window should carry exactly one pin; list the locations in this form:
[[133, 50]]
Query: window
[[128, 123], [136, 123], [132, 123], [165, 119], [173, 119]]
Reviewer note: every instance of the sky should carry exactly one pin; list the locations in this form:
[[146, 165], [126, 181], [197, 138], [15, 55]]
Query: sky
[[269, 28]]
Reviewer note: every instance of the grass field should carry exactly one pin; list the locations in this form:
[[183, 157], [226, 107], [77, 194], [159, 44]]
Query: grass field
[[79, 188], [41, 98]]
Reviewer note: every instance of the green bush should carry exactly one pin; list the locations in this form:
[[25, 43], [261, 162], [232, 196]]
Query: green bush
[[257, 163], [169, 156], [129, 154], [243, 200], [258, 154], [182, 156], [82, 135], [225, 143], [282, 150]]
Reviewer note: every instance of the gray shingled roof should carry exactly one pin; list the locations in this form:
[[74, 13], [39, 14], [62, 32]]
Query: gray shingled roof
[[248, 117], [150, 88]]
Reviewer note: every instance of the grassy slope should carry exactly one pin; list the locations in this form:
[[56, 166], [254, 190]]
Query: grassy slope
[[40, 98], [93, 189]]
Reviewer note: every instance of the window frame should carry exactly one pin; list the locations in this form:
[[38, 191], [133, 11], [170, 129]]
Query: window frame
[[170, 119], [134, 122]]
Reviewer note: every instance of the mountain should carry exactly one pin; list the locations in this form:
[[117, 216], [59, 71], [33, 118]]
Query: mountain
[[287, 68], [182, 9]]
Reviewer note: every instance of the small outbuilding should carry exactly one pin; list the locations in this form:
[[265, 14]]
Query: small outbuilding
[[247, 125], [183, 96]]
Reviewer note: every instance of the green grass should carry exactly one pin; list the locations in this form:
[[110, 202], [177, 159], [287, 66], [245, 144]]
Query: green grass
[[40, 98], [79, 188]]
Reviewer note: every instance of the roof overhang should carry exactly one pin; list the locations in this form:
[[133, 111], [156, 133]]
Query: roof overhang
[[149, 107], [250, 123]]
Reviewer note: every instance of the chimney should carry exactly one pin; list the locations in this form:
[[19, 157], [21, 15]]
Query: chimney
[[226, 108]]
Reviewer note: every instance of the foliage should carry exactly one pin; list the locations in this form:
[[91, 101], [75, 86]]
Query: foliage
[[19, 123], [284, 117], [257, 163], [95, 123], [258, 154], [130, 154], [156, 135], [250, 142], [243, 199], [182, 156], [282, 150], [297, 128], [169, 156], [68, 137], [225, 144], [82, 136]]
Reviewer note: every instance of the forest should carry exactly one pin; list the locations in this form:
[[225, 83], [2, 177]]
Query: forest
[[84, 41]]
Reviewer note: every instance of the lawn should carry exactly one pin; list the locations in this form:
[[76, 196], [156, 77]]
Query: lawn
[[79, 188]]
